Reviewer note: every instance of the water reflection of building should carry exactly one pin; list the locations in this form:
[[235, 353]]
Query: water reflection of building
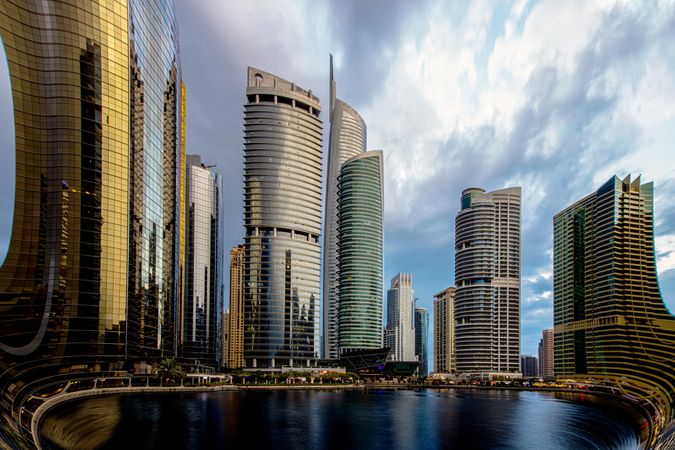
[[92, 272], [610, 322], [203, 269], [282, 217]]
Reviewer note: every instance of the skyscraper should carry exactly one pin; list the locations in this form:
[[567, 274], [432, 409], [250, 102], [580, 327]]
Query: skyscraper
[[91, 272], [487, 275], [610, 322], [444, 331], [400, 330], [282, 218], [360, 235], [546, 354], [155, 156], [421, 336], [225, 338], [236, 327], [204, 263], [347, 139], [529, 366]]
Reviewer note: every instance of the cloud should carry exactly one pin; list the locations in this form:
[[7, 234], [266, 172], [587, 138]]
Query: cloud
[[554, 96]]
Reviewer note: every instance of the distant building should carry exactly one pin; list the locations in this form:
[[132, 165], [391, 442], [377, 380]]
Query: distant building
[[487, 275], [202, 311], [400, 331], [282, 218], [444, 331], [236, 327], [347, 139], [360, 258], [610, 320], [225, 338], [421, 337], [529, 366], [546, 354]]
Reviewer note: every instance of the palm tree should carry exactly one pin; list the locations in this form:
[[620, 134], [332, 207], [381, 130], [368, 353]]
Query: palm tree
[[169, 370]]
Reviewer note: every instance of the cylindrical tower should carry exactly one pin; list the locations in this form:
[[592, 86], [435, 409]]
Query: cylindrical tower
[[487, 275], [360, 239], [282, 217], [347, 139]]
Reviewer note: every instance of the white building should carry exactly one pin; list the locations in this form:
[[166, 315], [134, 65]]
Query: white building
[[487, 278], [201, 313], [400, 331]]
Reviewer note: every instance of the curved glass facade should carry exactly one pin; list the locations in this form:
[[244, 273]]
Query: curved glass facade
[[282, 217], [204, 264], [360, 260], [347, 139], [487, 277], [155, 152], [610, 322], [92, 146]]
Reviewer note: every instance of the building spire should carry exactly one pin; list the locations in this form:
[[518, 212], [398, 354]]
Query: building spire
[[332, 90]]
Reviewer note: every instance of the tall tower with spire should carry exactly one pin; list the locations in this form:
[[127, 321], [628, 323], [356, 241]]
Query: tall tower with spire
[[347, 139]]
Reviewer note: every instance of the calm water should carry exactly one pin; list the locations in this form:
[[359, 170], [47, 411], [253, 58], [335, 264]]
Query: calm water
[[374, 419]]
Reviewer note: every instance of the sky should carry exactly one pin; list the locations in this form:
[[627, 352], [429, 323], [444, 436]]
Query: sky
[[555, 97]]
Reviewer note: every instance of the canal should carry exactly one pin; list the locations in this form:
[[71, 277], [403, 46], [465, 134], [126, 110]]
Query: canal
[[350, 419]]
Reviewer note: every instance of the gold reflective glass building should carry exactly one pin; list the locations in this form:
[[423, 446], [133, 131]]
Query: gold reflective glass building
[[610, 322], [90, 274], [235, 353]]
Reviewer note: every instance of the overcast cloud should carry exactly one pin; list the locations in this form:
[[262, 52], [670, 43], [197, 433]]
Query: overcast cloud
[[552, 96]]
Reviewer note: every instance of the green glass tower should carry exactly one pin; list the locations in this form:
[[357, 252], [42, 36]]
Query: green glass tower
[[360, 261], [611, 324]]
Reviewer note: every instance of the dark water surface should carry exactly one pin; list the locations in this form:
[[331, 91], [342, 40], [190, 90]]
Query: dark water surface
[[371, 419]]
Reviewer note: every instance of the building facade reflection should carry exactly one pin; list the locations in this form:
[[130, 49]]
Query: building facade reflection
[[90, 275]]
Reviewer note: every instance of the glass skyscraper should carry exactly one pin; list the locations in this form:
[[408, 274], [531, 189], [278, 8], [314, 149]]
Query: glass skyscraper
[[282, 218], [204, 264], [610, 322], [421, 336], [155, 194], [360, 259], [91, 273], [487, 278], [347, 139], [546, 354], [400, 329]]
